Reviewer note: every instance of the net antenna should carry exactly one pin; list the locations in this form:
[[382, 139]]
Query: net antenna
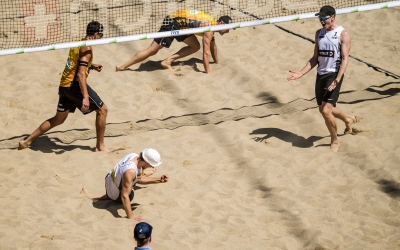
[[41, 25]]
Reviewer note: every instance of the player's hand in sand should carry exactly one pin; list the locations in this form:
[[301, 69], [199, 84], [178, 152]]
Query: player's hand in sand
[[137, 218], [295, 75]]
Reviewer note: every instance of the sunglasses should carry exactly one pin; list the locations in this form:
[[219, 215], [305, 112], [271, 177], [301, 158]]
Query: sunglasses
[[323, 18]]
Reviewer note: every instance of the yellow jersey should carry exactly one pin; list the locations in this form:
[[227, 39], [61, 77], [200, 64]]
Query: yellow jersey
[[71, 67], [191, 18]]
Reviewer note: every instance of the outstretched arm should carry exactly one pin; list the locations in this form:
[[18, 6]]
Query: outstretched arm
[[127, 180], [152, 180], [214, 53], [310, 64]]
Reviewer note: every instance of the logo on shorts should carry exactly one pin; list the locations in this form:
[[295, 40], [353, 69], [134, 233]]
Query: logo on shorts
[[175, 32], [326, 53]]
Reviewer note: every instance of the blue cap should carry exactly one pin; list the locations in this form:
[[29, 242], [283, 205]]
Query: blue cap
[[142, 230]]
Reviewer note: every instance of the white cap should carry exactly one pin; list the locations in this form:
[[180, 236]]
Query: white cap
[[152, 157]]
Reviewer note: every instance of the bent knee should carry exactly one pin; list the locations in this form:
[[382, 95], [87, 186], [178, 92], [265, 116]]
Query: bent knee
[[196, 46], [325, 108], [103, 110], [326, 112]]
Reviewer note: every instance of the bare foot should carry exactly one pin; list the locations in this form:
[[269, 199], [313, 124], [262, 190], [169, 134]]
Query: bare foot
[[86, 193], [119, 68], [23, 145], [335, 146], [93, 197], [350, 121], [101, 149], [83, 191], [166, 64]]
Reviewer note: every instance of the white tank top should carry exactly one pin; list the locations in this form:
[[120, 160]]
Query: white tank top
[[330, 57], [114, 178]]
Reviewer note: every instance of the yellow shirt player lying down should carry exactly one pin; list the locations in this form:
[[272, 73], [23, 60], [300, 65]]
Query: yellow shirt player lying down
[[183, 19]]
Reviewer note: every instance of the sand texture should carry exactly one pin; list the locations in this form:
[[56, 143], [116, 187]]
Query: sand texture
[[247, 151]]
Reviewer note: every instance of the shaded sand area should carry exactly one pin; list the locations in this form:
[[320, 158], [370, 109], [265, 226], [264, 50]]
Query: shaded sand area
[[247, 152]]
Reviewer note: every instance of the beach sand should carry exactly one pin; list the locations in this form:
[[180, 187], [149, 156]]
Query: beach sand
[[247, 151]]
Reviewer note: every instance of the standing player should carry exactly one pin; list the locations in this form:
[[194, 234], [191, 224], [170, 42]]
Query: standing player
[[75, 92], [331, 53], [183, 19]]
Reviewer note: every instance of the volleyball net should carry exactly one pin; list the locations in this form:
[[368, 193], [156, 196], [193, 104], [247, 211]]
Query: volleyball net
[[39, 25]]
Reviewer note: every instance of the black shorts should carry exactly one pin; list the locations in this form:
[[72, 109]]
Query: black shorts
[[71, 97], [170, 25], [321, 89]]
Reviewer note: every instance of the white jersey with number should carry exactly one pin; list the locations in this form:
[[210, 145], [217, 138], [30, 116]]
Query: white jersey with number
[[114, 178], [330, 57]]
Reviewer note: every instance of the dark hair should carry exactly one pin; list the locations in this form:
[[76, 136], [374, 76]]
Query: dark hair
[[225, 19], [94, 27], [140, 157]]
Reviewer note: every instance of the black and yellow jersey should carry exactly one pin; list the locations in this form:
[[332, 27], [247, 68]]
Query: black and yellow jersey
[[191, 18], [71, 67]]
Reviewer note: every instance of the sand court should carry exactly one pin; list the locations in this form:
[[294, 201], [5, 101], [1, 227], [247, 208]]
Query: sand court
[[247, 151]]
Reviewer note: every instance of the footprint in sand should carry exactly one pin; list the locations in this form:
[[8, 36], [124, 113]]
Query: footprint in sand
[[183, 70], [50, 237], [362, 132], [356, 131]]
